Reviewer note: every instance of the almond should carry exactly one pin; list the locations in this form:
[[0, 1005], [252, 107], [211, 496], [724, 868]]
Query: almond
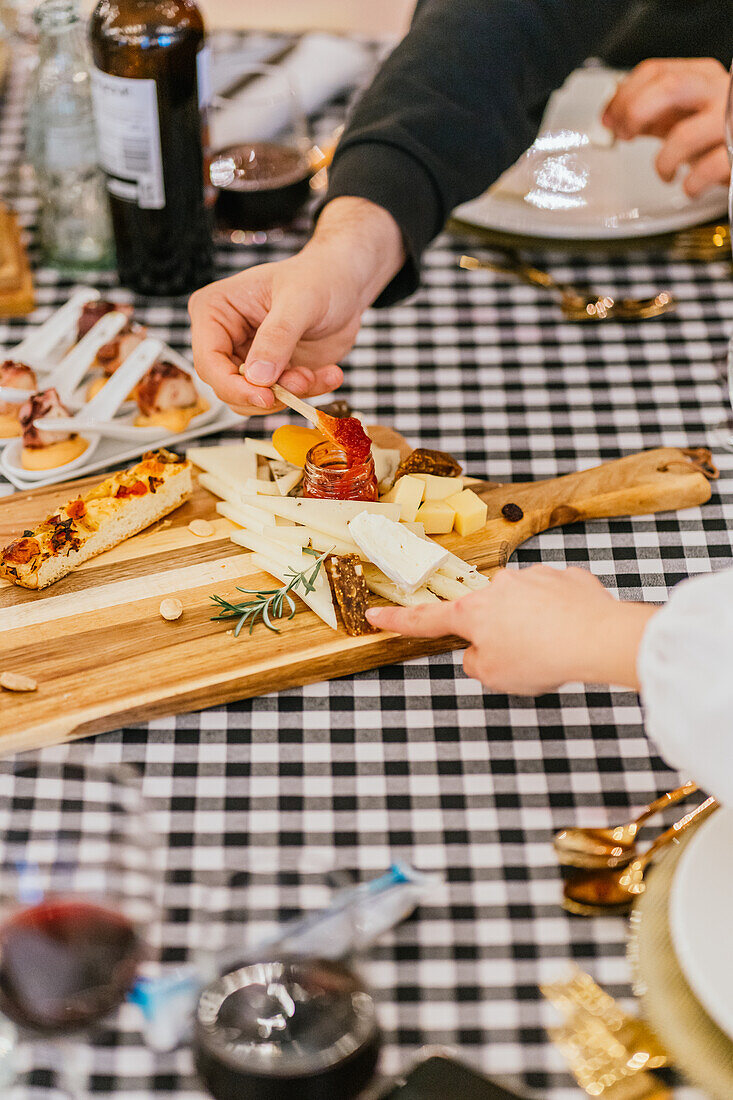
[[171, 609], [202, 528], [16, 681]]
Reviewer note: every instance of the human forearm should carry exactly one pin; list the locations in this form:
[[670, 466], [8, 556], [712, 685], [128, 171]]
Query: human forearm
[[363, 241], [610, 646]]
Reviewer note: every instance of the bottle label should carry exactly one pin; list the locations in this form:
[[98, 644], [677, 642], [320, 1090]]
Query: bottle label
[[128, 138]]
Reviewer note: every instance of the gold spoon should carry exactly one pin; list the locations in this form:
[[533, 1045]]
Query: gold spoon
[[602, 893], [613, 847], [576, 304]]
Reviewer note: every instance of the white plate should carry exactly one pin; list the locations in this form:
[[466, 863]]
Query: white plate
[[575, 183], [111, 452], [701, 916]]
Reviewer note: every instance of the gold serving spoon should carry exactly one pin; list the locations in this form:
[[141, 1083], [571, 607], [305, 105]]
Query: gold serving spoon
[[601, 893], [594, 849], [577, 305]]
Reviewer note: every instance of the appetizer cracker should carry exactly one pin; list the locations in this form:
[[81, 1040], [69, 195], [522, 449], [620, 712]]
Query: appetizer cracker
[[348, 585]]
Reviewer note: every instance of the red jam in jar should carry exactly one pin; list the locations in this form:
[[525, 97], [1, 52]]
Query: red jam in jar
[[329, 475]]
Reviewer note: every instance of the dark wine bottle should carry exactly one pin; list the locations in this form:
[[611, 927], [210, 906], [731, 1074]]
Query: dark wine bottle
[[150, 90]]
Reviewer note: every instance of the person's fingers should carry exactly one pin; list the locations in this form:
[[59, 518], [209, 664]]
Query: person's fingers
[[220, 373], [277, 337], [709, 170], [688, 140], [430, 620], [646, 104], [472, 663]]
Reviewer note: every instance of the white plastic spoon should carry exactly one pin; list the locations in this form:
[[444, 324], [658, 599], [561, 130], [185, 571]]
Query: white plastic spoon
[[38, 347], [97, 414]]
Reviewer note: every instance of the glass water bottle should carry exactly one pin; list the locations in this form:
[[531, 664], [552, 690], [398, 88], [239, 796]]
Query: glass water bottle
[[74, 225]]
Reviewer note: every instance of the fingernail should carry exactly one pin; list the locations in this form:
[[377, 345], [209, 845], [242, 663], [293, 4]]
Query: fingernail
[[260, 401], [262, 374], [373, 615]]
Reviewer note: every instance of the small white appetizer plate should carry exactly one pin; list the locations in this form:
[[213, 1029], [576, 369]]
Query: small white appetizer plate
[[113, 452]]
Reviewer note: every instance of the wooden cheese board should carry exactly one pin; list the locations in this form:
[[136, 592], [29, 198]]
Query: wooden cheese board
[[103, 657]]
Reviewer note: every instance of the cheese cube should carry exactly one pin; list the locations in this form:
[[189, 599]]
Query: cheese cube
[[471, 511], [438, 488], [436, 516], [408, 493]]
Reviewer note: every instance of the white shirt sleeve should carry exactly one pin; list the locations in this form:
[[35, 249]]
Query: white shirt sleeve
[[685, 667]]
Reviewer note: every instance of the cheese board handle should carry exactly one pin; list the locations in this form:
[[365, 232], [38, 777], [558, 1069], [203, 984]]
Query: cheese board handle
[[667, 478]]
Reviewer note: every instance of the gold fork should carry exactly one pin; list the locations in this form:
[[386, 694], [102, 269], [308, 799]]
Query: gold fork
[[581, 994], [577, 305], [602, 1066]]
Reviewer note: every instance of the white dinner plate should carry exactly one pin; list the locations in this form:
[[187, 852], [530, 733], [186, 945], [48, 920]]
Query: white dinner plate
[[701, 916], [577, 183]]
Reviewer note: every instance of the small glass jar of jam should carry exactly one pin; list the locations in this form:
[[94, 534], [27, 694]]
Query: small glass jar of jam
[[328, 475]]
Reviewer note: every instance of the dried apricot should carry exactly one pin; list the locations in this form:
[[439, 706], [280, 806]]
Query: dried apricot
[[292, 442]]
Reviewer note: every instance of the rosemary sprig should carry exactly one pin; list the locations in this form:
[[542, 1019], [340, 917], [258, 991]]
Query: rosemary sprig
[[270, 603]]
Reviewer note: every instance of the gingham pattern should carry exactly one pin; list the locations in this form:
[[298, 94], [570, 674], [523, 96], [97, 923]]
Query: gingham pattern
[[413, 761]]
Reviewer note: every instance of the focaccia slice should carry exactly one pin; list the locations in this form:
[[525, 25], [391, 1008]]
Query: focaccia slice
[[123, 505]]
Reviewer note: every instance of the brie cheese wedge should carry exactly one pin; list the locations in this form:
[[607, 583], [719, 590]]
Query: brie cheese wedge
[[401, 555]]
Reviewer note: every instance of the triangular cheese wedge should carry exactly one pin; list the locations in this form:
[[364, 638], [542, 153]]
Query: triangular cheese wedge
[[233, 463], [320, 600], [330, 516]]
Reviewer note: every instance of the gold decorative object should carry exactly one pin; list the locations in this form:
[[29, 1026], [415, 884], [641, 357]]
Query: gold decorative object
[[614, 846], [577, 305]]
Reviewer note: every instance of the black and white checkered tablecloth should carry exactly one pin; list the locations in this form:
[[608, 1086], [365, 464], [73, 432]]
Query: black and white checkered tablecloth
[[414, 761]]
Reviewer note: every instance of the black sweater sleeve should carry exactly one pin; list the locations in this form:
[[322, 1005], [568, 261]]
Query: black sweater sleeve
[[456, 103]]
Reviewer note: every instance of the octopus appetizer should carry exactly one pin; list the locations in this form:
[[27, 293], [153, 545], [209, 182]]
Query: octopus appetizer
[[44, 450], [16, 376], [167, 397]]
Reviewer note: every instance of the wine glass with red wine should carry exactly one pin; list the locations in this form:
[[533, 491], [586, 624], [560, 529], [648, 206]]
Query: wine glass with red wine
[[78, 893], [262, 164]]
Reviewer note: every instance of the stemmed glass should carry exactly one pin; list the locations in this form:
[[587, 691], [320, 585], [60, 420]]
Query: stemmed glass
[[79, 875], [262, 165]]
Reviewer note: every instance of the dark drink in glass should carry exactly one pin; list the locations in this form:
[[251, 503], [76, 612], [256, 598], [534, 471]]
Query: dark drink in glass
[[260, 185], [66, 963]]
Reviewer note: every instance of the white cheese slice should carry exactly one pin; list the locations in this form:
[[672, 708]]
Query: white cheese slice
[[461, 571], [381, 585], [448, 588], [386, 461], [261, 447], [260, 488], [329, 516], [322, 542], [403, 556], [269, 549], [285, 475], [320, 600], [232, 463], [247, 518]]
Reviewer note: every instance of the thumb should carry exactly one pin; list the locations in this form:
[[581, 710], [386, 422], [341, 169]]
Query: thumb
[[275, 342], [429, 620]]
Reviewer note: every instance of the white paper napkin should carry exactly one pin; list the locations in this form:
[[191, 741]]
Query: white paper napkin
[[320, 67]]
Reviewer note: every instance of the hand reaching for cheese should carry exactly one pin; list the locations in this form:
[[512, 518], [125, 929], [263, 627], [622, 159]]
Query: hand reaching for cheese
[[534, 629], [291, 321], [683, 101]]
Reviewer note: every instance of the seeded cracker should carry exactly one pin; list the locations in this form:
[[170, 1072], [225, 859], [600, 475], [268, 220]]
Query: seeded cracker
[[352, 595], [424, 461]]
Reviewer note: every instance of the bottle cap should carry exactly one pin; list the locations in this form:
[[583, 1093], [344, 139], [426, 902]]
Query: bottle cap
[[287, 1028]]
